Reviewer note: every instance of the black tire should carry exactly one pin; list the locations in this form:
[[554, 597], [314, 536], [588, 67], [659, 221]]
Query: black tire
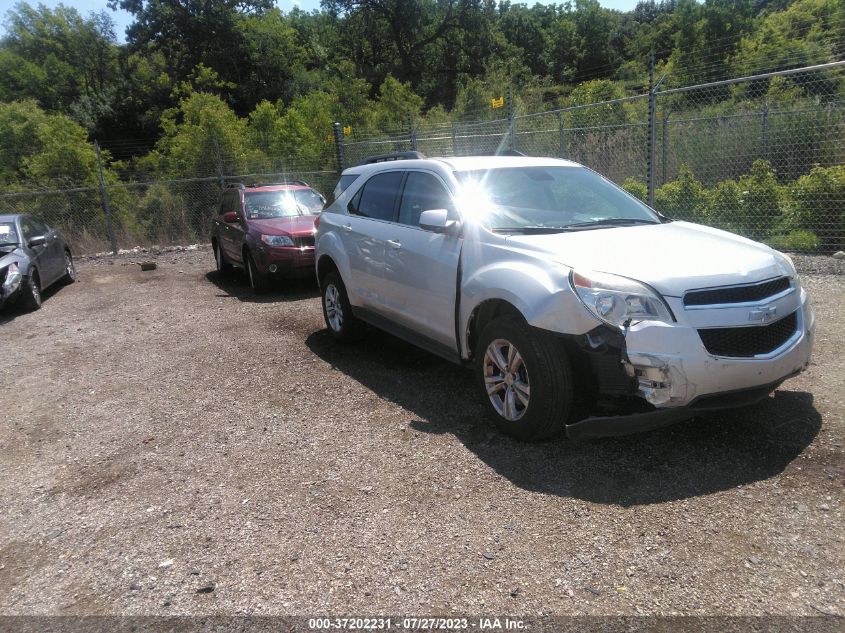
[[223, 266], [257, 280], [31, 291], [540, 411], [70, 269], [337, 311]]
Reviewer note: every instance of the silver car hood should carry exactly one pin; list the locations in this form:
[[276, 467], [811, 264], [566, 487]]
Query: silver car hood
[[672, 257]]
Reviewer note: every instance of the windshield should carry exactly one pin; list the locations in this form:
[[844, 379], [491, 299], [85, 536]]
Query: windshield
[[262, 205], [8, 234], [547, 199]]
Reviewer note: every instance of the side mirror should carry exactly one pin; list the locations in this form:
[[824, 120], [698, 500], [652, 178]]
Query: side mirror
[[230, 216], [438, 221], [38, 240]]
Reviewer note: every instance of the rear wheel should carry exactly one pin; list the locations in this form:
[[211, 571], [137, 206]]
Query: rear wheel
[[70, 269], [525, 379], [31, 290], [257, 281], [337, 311], [223, 267]]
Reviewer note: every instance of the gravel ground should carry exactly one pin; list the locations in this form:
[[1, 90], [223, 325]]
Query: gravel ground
[[174, 445]]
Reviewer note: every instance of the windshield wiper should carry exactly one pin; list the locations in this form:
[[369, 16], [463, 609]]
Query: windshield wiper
[[2, 244], [612, 222], [531, 230]]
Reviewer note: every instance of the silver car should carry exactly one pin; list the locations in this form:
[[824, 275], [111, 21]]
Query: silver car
[[563, 292], [33, 256]]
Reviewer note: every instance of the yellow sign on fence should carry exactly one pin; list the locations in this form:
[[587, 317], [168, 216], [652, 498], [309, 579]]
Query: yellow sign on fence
[[347, 130], [498, 103]]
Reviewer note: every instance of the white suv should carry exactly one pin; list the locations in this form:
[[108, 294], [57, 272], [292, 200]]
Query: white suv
[[578, 306]]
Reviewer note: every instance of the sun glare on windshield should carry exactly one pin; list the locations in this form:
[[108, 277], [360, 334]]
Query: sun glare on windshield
[[516, 198]]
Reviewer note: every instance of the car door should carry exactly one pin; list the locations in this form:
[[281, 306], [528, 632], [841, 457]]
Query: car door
[[41, 255], [55, 249], [225, 232], [421, 266], [364, 233]]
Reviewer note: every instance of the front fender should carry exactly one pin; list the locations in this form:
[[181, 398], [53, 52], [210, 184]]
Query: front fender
[[541, 293]]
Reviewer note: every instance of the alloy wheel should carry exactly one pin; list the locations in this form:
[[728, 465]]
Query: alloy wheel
[[506, 379], [35, 290], [334, 312], [70, 269]]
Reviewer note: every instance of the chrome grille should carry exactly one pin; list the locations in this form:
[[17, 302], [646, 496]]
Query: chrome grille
[[737, 294]]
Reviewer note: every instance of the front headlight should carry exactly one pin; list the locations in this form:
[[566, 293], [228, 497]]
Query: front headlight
[[277, 240], [617, 300], [13, 279]]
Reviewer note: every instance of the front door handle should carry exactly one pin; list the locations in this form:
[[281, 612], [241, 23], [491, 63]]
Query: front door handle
[[394, 244], [347, 226]]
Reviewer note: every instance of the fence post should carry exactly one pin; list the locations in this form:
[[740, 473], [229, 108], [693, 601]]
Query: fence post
[[105, 196], [412, 134], [652, 123], [338, 144], [511, 121], [665, 157], [454, 149], [561, 137], [764, 109], [219, 163]]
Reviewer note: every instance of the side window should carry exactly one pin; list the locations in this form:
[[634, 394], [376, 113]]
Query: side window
[[38, 226], [422, 192], [230, 202], [27, 228], [378, 196]]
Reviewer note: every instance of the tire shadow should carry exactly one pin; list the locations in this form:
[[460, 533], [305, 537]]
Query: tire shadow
[[704, 455], [236, 285]]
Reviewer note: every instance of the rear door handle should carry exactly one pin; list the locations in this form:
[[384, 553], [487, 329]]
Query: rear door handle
[[394, 244], [347, 226]]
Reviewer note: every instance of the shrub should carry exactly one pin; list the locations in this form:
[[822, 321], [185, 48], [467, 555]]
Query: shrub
[[636, 188], [816, 202], [683, 198], [800, 240]]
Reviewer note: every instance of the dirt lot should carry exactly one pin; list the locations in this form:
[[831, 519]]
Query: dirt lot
[[172, 445]]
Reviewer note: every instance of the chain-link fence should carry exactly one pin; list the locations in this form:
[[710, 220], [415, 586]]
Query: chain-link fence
[[763, 156]]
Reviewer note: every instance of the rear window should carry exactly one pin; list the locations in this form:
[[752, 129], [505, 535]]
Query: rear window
[[343, 184], [263, 205]]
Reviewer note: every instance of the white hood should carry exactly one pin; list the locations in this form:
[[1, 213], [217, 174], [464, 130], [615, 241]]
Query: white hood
[[673, 257]]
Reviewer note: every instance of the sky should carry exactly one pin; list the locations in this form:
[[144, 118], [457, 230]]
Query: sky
[[122, 18]]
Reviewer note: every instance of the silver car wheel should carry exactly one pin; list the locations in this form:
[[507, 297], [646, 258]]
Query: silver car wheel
[[35, 290], [70, 269], [334, 313], [506, 379]]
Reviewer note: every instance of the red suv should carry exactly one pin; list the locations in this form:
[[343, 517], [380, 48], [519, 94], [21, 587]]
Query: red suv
[[268, 230]]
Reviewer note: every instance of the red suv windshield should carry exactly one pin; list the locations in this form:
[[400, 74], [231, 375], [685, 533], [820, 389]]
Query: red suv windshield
[[261, 205]]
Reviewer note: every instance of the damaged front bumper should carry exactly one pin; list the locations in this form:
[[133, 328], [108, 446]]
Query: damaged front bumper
[[11, 282], [668, 366]]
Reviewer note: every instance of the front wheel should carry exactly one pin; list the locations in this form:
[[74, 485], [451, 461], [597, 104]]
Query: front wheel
[[337, 311], [525, 379], [257, 281], [70, 269], [31, 290]]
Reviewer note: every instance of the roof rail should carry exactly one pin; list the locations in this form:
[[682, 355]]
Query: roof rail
[[510, 152], [383, 158], [300, 183]]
